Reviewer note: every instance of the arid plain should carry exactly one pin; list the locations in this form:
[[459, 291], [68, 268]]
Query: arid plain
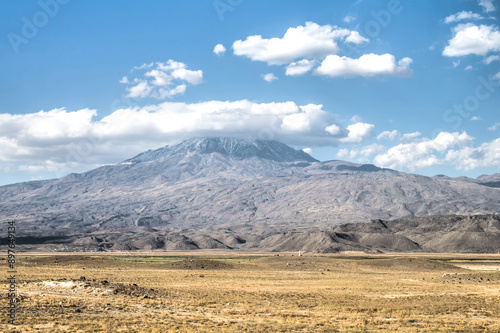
[[256, 292]]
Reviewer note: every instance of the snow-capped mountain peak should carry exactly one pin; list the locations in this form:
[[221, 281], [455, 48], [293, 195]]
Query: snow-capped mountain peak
[[232, 147]]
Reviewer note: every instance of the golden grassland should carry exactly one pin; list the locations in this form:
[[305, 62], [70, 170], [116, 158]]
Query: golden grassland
[[254, 292]]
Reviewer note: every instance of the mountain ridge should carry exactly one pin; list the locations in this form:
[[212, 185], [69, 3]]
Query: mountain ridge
[[492, 180]]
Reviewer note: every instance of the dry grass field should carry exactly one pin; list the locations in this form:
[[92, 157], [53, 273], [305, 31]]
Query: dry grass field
[[228, 292]]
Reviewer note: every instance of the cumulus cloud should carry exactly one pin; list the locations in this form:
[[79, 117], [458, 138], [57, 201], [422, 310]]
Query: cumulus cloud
[[333, 129], [421, 153], [473, 39], [355, 38], [301, 49], [44, 127], [161, 80], [367, 65], [309, 41], [46, 141], [474, 118], [61, 140], [487, 5], [300, 67], [468, 158], [463, 15], [359, 132], [269, 77], [219, 49], [388, 135]]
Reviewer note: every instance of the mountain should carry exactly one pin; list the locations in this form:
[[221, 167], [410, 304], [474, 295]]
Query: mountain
[[485, 180], [224, 192]]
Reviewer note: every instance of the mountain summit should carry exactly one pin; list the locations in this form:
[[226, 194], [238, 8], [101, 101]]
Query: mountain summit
[[235, 148]]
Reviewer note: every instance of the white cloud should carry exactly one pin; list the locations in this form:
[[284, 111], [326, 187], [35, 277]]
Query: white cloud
[[349, 19], [463, 15], [169, 93], [487, 5], [359, 132], [474, 118], [367, 65], [144, 66], [494, 127], [300, 67], [421, 153], [473, 39], [371, 150], [309, 41], [45, 126], [313, 43], [356, 118], [162, 80], [39, 142], [193, 77], [159, 78], [356, 38], [43, 166], [333, 129], [468, 158], [142, 89], [408, 137], [388, 135], [304, 121], [308, 151], [61, 140], [456, 63], [345, 153], [269, 77], [490, 59], [219, 49], [361, 155], [468, 68]]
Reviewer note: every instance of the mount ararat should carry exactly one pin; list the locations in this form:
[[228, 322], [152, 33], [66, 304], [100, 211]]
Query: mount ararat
[[237, 193]]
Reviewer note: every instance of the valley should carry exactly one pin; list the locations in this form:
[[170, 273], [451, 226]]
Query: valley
[[219, 291]]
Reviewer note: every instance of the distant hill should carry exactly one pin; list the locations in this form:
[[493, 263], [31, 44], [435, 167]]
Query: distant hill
[[485, 180], [445, 234]]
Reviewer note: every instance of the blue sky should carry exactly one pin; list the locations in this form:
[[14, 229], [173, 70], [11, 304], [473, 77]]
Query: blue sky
[[409, 85]]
